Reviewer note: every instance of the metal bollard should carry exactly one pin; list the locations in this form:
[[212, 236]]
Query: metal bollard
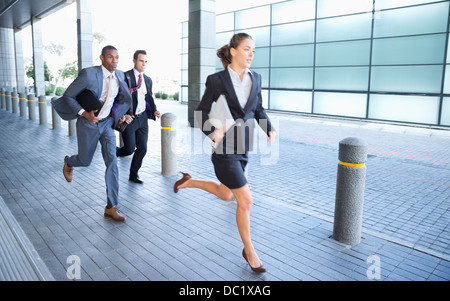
[[73, 127], [42, 109], [31, 107], [168, 155], [56, 120], [15, 102], [22, 105], [8, 100], [351, 177]]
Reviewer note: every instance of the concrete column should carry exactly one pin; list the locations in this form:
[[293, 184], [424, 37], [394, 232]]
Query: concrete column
[[202, 50], [7, 65], [84, 30], [38, 57], [20, 66]]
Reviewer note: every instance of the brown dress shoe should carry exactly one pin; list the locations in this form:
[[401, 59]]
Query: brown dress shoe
[[68, 172], [260, 269], [114, 214], [185, 177]]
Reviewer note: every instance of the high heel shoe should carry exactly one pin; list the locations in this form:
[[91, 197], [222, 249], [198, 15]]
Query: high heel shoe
[[260, 269], [185, 177]]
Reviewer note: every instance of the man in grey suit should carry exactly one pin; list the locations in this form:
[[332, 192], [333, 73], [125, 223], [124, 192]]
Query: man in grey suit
[[108, 85]]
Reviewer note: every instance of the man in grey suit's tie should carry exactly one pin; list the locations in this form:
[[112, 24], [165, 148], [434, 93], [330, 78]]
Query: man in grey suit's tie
[[108, 85]]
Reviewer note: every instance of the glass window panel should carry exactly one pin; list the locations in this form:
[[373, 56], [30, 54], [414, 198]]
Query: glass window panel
[[427, 49], [329, 8], [184, 77], [344, 28], [184, 61], [418, 109], [294, 101], [254, 17], [184, 29], [342, 78], [184, 94], [341, 104], [223, 38], [447, 80], [295, 33], [383, 4], [265, 98], [417, 79], [445, 115], [261, 58], [343, 53], [261, 35], [412, 20], [264, 72], [225, 22], [292, 11], [184, 45], [293, 56], [291, 78]]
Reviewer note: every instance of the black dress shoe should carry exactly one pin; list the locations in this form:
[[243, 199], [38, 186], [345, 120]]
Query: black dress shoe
[[136, 180]]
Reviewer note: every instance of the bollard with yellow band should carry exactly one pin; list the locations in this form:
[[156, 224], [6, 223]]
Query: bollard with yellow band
[[8, 101], [15, 102], [42, 109], [31, 107], [350, 184], [22, 105], [2, 99], [168, 145]]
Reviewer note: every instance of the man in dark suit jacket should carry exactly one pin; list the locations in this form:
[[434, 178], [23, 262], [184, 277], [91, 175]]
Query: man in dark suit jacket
[[107, 85], [143, 107]]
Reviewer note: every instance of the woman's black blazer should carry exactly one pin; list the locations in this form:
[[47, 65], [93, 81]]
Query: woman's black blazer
[[220, 83]]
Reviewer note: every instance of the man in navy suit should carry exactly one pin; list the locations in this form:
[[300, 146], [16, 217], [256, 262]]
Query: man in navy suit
[[143, 107], [108, 85]]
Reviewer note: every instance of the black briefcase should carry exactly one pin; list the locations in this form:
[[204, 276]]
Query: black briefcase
[[89, 102]]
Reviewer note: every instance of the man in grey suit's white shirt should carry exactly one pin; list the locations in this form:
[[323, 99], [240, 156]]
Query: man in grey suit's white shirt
[[108, 85]]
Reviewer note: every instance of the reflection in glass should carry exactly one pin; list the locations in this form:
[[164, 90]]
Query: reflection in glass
[[293, 56], [291, 78], [418, 79], [294, 33], [344, 28], [412, 20], [292, 11], [342, 78], [342, 104], [418, 109], [428, 49], [343, 53], [329, 8], [296, 101], [253, 17]]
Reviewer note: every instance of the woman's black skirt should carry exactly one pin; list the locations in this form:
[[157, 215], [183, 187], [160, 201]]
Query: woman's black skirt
[[230, 169]]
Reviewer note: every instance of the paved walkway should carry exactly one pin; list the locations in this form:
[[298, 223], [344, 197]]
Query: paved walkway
[[193, 236]]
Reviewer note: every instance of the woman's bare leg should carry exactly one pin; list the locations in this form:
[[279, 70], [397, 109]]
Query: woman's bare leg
[[245, 201], [218, 189]]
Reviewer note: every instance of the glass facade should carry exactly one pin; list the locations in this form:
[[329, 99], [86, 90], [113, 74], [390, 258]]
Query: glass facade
[[368, 59]]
